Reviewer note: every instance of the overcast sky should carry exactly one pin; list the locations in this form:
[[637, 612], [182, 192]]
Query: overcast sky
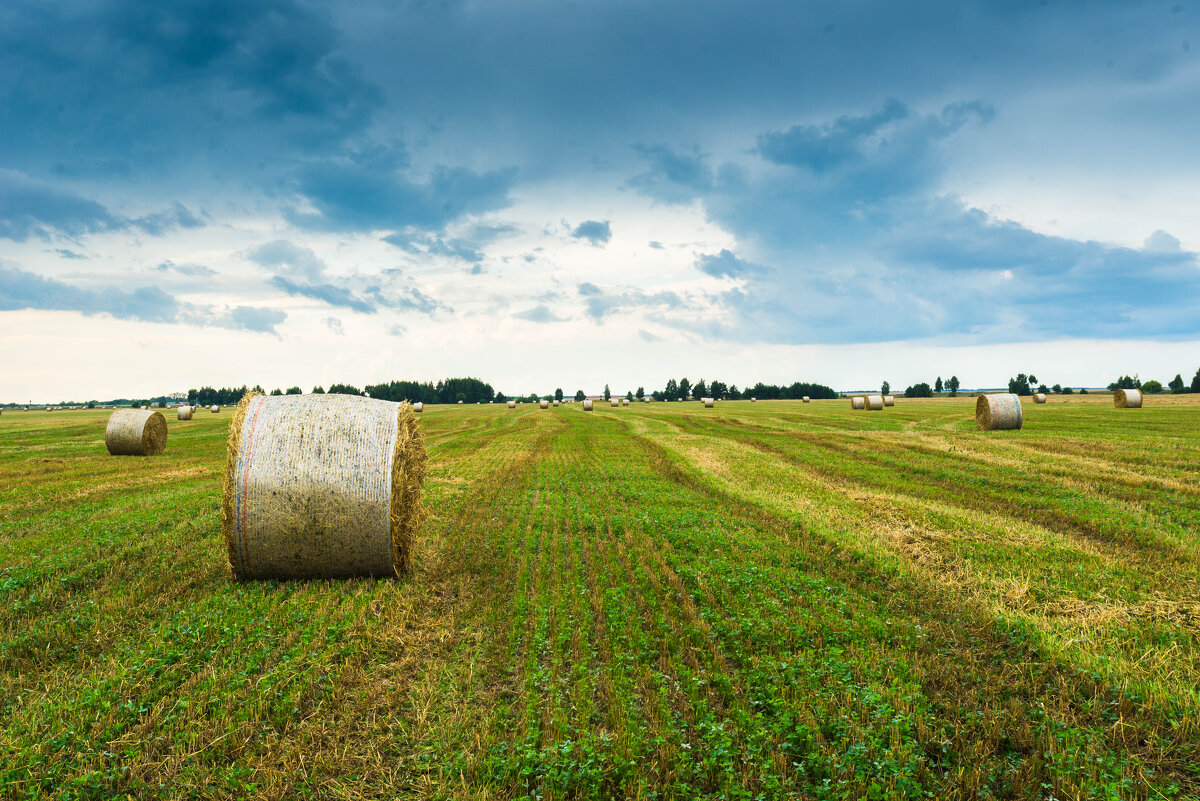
[[547, 194]]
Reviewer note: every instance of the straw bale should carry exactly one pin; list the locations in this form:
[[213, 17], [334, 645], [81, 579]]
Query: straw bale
[[754, 400], [999, 412], [806, 399], [616, 402], [624, 401], [857, 402], [460, 403], [873, 403], [183, 413], [321, 486], [543, 404], [512, 404], [708, 402], [1039, 397], [418, 407], [136, 432], [889, 400], [214, 408], [1127, 399], [587, 404], [555, 403]]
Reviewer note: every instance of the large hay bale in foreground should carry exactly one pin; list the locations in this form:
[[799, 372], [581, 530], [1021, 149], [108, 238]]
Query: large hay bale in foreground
[[857, 402], [587, 404], [889, 400], [1040, 397], [543, 404], [136, 432], [873, 403], [999, 412], [183, 413], [1127, 399], [708, 403], [321, 486]]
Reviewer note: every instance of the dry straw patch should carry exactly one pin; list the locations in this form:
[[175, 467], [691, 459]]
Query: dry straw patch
[[322, 486], [136, 432]]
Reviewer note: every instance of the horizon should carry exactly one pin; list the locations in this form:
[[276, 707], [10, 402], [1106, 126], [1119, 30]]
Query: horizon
[[318, 193]]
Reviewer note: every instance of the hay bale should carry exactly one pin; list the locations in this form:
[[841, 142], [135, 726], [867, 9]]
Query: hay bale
[[512, 404], [555, 403], [214, 408], [1039, 397], [754, 400], [1127, 399], [460, 403], [624, 401], [708, 402], [543, 404], [587, 404], [806, 399], [418, 407], [889, 400], [321, 486], [999, 412], [857, 402], [615, 402], [873, 403], [183, 413], [136, 432]]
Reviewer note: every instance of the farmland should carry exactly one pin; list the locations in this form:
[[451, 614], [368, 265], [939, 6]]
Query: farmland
[[758, 600]]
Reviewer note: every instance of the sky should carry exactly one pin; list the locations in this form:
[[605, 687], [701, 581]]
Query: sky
[[569, 194]]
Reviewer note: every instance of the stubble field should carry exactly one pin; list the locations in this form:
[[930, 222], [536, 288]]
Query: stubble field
[[758, 600]]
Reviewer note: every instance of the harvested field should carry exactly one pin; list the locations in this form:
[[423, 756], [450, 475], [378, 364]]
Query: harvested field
[[768, 599]]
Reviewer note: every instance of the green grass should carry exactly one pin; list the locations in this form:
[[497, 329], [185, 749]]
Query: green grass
[[754, 601]]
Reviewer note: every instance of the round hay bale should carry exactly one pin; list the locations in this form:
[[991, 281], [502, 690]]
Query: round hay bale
[[615, 402], [418, 407], [708, 402], [999, 412], [321, 486], [754, 400], [1127, 399], [857, 402], [183, 413], [806, 399], [873, 403], [1039, 397], [460, 403], [543, 404], [136, 432], [587, 404], [889, 400], [512, 404], [624, 401], [214, 408], [555, 403]]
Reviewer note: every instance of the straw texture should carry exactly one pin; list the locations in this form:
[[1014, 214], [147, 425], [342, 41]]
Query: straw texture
[[587, 404], [873, 403], [999, 412], [857, 402], [183, 413], [1127, 399], [321, 486], [136, 432]]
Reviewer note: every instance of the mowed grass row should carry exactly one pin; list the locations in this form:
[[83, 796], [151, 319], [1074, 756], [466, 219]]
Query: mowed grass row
[[767, 599]]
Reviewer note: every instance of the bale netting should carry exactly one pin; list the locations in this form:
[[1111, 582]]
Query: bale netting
[[889, 400], [708, 403], [1127, 399], [136, 432], [873, 403], [543, 404], [183, 413], [858, 402], [1039, 397], [587, 404], [418, 407], [321, 486], [999, 412]]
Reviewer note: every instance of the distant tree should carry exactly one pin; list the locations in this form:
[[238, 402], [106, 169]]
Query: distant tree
[[579, 395], [277, 391], [294, 391], [1152, 387], [734, 393], [699, 390], [1020, 384], [641, 393], [952, 385], [343, 389], [937, 385], [318, 390], [258, 388], [885, 388], [1176, 385], [533, 398], [558, 394], [671, 390], [91, 404], [1032, 379], [685, 389], [1043, 389], [607, 393], [1068, 391], [1196, 381], [1082, 391], [629, 396], [922, 390], [499, 397], [717, 389], [1056, 389]]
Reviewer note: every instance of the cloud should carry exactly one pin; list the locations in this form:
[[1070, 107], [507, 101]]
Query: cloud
[[1161, 242], [397, 331], [539, 314], [822, 147], [648, 337], [68, 254], [599, 303], [595, 232], [157, 224], [284, 258], [326, 293], [28, 208], [185, 269], [20, 290], [334, 325], [727, 265], [672, 178], [467, 247]]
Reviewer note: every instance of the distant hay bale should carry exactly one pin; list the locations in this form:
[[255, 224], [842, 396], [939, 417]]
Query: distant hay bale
[[889, 400], [512, 404], [460, 403], [183, 413], [214, 408], [555, 403], [543, 404], [999, 412], [806, 399], [624, 401], [754, 400], [1127, 399], [615, 402], [136, 432], [857, 402], [708, 402], [418, 407], [587, 404], [321, 486], [873, 403], [1039, 397]]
